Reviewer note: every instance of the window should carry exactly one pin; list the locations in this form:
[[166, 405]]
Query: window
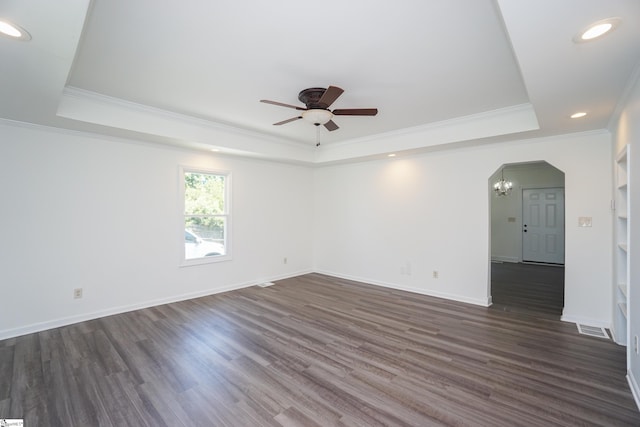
[[206, 216]]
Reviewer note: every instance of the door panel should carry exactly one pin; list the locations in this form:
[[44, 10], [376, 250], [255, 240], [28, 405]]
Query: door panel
[[543, 225]]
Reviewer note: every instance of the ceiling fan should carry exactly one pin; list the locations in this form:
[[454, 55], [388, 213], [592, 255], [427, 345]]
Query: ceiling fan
[[317, 101]]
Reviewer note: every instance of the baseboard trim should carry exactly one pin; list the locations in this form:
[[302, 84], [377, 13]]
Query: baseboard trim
[[585, 321], [475, 301], [64, 321], [505, 259], [635, 389], [615, 336], [484, 302]]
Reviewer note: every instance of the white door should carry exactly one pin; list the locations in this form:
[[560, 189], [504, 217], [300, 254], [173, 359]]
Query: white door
[[543, 225]]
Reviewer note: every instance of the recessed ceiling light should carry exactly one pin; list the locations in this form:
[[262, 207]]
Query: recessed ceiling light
[[596, 30], [14, 31], [391, 155], [215, 150], [578, 115]]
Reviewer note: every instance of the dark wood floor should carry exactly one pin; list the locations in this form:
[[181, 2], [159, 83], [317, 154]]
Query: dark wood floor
[[538, 289], [315, 351]]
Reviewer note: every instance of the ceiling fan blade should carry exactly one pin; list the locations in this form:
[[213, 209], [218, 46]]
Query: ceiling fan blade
[[356, 112], [330, 125], [293, 119], [266, 101], [330, 95]]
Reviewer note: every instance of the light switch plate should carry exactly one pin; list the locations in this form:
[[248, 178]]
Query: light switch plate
[[584, 221]]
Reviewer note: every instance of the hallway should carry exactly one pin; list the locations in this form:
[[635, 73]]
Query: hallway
[[535, 289]]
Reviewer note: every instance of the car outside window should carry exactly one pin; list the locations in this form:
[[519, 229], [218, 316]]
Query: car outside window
[[206, 216]]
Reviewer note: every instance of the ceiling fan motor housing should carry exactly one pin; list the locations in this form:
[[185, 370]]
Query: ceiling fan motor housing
[[311, 97]]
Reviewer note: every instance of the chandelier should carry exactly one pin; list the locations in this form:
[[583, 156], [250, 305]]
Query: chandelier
[[502, 187]]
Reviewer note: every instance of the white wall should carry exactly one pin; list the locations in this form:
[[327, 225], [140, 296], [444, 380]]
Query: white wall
[[80, 211], [627, 131], [506, 236], [394, 222], [83, 211]]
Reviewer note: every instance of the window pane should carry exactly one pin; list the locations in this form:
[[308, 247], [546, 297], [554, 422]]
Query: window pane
[[204, 236], [203, 194]]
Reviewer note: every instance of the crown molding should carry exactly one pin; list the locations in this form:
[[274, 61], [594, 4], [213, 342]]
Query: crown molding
[[495, 123], [634, 78], [74, 102], [444, 124]]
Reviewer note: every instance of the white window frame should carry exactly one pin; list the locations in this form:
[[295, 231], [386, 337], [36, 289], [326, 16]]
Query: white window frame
[[227, 214]]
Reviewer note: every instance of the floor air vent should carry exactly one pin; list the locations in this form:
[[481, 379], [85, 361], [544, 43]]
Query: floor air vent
[[593, 331], [265, 284]]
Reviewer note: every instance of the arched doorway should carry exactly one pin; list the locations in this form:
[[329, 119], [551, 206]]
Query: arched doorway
[[527, 239]]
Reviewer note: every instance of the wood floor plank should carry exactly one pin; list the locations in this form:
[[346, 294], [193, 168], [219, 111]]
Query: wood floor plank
[[318, 351], [528, 287]]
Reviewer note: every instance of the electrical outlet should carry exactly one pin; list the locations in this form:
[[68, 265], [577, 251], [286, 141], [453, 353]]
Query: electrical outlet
[[636, 343], [77, 293], [284, 261], [435, 274]]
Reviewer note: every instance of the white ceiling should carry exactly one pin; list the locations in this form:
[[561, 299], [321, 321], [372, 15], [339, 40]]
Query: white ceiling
[[440, 72]]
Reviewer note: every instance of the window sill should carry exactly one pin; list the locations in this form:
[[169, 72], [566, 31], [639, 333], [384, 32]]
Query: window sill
[[205, 260]]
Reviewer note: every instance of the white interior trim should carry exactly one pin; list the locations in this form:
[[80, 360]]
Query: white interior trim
[[584, 321], [64, 321], [633, 385], [475, 301]]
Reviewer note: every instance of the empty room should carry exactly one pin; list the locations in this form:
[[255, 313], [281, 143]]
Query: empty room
[[409, 213]]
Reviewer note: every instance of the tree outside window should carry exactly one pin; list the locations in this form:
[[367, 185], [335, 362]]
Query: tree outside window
[[206, 215]]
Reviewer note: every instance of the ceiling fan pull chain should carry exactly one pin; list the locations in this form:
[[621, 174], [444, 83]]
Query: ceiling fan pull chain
[[317, 136]]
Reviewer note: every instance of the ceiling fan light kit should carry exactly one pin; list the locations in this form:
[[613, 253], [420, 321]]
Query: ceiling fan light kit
[[317, 116], [317, 101]]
